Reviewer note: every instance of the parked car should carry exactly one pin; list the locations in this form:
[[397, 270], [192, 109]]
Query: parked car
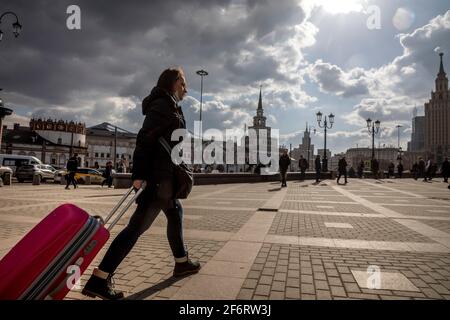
[[26, 172], [4, 170], [80, 175], [15, 161]]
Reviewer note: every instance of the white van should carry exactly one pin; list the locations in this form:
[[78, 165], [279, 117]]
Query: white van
[[14, 161]]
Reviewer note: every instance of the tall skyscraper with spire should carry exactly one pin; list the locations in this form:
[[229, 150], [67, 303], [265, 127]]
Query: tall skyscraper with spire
[[437, 117]]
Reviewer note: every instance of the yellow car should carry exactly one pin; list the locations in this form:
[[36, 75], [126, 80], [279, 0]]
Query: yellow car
[[80, 175]]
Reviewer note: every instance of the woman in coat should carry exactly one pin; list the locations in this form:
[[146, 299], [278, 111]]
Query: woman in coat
[[151, 163]]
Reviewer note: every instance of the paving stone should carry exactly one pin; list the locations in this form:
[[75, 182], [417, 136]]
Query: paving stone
[[307, 288], [278, 286], [292, 293], [262, 290], [245, 294], [276, 295], [338, 291]]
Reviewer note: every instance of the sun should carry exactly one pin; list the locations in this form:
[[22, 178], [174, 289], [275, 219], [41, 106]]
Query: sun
[[340, 6]]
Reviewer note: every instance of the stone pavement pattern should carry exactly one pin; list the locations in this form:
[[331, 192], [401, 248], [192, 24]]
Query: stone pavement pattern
[[257, 241]]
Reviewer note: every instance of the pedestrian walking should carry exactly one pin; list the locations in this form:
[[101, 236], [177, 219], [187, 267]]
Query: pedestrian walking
[[428, 169], [361, 169], [391, 170], [153, 164], [284, 163], [400, 170], [318, 167], [342, 169], [107, 174], [303, 165], [415, 170], [445, 169], [72, 166], [421, 169]]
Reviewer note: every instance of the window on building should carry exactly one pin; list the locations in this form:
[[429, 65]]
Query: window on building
[[59, 141], [107, 155], [96, 154], [102, 155]]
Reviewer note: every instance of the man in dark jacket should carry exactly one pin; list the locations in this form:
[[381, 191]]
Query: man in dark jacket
[[415, 170], [108, 175], [421, 169], [361, 169], [342, 167], [151, 163], [303, 165], [400, 170], [72, 166], [318, 167], [284, 163], [445, 169], [391, 170]]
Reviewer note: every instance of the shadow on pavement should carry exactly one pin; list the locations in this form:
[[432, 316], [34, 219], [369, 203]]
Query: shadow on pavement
[[141, 295], [275, 189]]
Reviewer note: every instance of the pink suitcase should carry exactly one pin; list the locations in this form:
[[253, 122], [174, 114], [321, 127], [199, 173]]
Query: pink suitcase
[[40, 266]]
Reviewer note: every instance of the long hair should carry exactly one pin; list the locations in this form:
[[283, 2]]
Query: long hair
[[168, 78]]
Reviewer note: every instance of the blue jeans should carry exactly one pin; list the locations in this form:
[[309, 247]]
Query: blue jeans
[[146, 212]]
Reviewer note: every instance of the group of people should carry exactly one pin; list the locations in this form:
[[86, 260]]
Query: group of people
[[285, 162], [421, 169], [427, 170]]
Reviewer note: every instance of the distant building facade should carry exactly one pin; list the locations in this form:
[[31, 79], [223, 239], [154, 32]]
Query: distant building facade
[[417, 142], [51, 141], [437, 117], [104, 140]]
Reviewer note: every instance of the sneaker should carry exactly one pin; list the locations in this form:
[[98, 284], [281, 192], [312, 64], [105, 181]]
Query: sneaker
[[185, 268], [102, 288]]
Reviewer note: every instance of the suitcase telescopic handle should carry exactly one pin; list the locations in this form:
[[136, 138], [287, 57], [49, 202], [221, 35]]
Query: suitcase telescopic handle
[[125, 208]]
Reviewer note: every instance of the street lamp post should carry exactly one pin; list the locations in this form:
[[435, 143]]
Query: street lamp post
[[398, 132], [309, 139], [202, 73], [325, 127], [17, 27], [373, 128]]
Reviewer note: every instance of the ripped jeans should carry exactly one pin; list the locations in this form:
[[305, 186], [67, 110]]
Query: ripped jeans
[[146, 212]]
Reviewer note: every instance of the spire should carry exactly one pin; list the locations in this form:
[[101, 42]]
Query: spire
[[306, 126], [441, 68], [260, 99]]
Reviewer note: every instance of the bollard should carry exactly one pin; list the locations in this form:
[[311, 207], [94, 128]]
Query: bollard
[[36, 179], [63, 180], [87, 180], [7, 179]]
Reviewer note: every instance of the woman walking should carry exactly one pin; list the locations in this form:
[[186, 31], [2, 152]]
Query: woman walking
[[151, 163]]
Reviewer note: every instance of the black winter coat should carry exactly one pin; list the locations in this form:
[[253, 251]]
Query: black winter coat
[[284, 162], [342, 164], [318, 165], [162, 116]]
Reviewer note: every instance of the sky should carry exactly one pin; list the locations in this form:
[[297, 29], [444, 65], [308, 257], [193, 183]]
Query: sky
[[333, 56]]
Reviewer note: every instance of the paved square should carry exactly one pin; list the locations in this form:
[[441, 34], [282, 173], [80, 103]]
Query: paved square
[[316, 241]]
